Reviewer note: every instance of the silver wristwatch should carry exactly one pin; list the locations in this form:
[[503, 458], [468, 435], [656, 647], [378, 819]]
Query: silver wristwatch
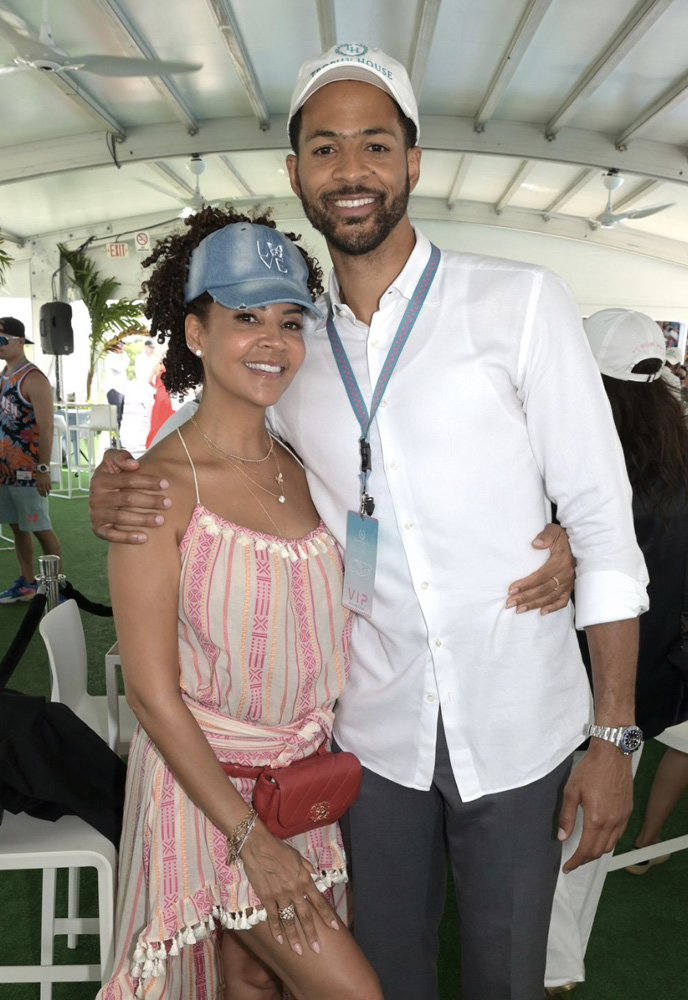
[[626, 738], [42, 467]]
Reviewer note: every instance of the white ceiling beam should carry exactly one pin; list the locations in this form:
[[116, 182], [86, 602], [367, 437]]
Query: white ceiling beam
[[236, 177], [531, 221], [234, 43], [96, 111], [171, 178], [516, 182], [134, 43], [583, 178], [514, 53], [459, 180], [524, 140], [427, 23], [662, 106], [633, 30], [327, 24], [634, 196], [420, 209], [8, 237]]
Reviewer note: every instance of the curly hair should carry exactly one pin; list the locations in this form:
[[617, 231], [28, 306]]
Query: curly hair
[[653, 431], [164, 290]]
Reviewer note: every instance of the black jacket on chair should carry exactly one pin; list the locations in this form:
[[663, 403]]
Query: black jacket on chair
[[52, 764]]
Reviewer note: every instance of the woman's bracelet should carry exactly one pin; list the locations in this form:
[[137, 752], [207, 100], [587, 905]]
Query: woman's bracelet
[[239, 836]]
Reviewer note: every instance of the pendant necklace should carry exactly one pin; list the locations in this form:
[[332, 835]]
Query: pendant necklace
[[234, 462]]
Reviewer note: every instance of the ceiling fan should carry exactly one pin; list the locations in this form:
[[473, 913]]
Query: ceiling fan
[[612, 180], [196, 202], [40, 52]]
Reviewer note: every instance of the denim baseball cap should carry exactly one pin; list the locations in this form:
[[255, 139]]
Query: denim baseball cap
[[245, 265]]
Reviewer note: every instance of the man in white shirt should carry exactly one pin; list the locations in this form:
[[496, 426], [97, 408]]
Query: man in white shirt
[[463, 712]]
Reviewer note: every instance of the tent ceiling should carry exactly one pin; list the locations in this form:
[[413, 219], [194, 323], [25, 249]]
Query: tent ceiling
[[524, 104]]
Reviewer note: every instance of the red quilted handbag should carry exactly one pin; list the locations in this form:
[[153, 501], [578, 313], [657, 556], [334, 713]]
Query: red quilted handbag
[[309, 793]]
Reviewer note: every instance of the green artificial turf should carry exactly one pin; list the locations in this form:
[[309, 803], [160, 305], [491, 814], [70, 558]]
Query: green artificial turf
[[638, 944]]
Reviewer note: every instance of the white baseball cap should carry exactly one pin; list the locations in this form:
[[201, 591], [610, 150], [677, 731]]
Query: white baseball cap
[[674, 356], [352, 61], [621, 338]]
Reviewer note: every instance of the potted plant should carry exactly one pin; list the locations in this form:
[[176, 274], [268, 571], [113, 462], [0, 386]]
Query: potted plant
[[112, 319]]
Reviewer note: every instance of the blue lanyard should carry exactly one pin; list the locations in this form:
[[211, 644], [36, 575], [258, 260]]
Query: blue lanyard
[[353, 391]]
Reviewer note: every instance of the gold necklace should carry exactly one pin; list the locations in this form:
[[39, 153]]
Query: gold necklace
[[279, 533], [279, 479], [233, 460], [226, 454]]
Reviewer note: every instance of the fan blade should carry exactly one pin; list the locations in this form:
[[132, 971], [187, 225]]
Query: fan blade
[[16, 68], [16, 22], [642, 213], [161, 190], [124, 66]]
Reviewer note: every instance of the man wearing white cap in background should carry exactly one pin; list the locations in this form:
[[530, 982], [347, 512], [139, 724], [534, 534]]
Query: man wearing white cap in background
[[463, 712]]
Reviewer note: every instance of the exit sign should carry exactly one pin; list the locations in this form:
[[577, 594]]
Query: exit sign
[[117, 249]]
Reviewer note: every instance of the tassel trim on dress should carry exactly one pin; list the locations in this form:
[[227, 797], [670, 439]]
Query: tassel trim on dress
[[293, 551], [150, 957]]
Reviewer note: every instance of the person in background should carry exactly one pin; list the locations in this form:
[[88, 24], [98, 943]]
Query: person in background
[[162, 404], [26, 438], [463, 711], [630, 353], [145, 363], [115, 364]]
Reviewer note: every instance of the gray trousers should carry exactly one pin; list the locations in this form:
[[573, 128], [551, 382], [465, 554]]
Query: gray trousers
[[505, 857]]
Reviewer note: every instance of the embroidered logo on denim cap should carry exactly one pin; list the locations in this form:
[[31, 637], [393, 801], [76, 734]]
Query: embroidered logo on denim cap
[[245, 265]]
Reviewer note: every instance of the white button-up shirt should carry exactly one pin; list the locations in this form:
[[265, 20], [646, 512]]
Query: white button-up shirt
[[495, 408]]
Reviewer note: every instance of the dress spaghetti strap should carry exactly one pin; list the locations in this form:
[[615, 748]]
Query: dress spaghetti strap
[[193, 467]]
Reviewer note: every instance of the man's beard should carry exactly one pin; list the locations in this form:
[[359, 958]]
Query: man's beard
[[350, 236]]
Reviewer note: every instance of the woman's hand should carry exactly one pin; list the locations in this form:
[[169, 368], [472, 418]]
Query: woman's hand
[[282, 879], [117, 500], [549, 588]]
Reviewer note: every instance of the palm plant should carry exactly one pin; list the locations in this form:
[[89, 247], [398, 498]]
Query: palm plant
[[5, 261], [111, 319]]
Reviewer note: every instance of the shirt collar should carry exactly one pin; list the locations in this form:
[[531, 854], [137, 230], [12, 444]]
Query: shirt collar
[[405, 282]]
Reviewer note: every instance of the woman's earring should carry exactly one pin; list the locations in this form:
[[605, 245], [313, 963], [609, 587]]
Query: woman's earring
[[199, 354]]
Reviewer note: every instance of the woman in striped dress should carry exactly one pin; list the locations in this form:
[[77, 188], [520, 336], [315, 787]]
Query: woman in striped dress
[[234, 648]]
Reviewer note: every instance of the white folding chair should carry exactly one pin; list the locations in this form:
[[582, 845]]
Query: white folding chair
[[102, 418], [26, 842], [676, 737], [63, 635]]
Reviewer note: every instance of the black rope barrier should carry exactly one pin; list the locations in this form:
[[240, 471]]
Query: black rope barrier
[[24, 635], [70, 593]]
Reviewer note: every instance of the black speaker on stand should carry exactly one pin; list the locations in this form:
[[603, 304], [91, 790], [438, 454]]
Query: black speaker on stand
[[57, 336], [55, 321]]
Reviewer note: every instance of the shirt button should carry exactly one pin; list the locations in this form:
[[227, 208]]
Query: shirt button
[[394, 464], [424, 585], [430, 698], [375, 344], [383, 403], [438, 642]]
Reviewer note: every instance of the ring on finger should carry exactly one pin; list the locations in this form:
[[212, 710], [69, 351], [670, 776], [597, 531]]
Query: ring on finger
[[287, 912], [556, 583]]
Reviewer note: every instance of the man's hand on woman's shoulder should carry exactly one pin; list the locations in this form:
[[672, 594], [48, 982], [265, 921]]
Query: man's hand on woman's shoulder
[[121, 496]]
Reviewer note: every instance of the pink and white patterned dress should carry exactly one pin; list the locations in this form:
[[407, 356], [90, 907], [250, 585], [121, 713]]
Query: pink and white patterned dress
[[263, 645]]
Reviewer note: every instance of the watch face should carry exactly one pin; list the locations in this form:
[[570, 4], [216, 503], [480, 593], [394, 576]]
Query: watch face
[[631, 739]]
